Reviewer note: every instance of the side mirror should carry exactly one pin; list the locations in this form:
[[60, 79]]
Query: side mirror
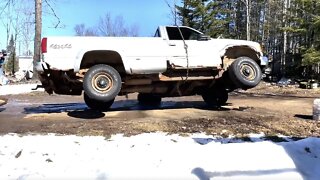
[[202, 37]]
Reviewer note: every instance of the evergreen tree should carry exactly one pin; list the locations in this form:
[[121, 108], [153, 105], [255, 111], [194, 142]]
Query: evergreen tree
[[305, 31], [186, 13], [210, 17], [219, 21], [12, 63]]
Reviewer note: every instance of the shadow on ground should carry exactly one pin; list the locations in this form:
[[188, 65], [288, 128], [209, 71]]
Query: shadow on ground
[[86, 114], [302, 150], [205, 175], [305, 117], [80, 110]]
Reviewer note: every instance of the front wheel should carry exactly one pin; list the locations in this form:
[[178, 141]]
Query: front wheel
[[245, 73]]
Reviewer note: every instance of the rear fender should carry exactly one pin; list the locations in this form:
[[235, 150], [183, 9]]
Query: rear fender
[[102, 56]]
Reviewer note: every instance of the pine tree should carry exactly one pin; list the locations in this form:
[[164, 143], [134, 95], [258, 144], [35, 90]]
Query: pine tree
[[219, 22], [212, 17], [12, 63]]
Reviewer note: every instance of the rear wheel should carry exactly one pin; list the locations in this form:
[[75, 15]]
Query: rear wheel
[[102, 83], [149, 99], [96, 104], [215, 97]]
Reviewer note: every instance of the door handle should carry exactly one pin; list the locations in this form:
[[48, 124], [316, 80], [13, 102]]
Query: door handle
[[172, 44]]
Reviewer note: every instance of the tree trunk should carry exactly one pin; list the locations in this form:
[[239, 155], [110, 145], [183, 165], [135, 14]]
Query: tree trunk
[[248, 19], [37, 39], [285, 37]]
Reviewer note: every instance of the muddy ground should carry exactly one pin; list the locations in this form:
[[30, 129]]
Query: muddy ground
[[269, 109]]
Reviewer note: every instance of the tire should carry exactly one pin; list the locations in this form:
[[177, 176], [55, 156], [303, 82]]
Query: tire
[[215, 97], [149, 99], [245, 73], [96, 104], [102, 83]]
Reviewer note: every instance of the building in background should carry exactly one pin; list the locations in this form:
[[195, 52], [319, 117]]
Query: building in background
[[26, 66]]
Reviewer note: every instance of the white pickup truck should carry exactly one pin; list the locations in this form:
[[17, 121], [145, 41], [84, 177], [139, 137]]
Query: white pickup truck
[[177, 61]]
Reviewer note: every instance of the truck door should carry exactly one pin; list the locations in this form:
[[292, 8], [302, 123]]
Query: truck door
[[200, 52]]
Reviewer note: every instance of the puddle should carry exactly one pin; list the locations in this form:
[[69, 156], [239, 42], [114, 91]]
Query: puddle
[[123, 108], [55, 108]]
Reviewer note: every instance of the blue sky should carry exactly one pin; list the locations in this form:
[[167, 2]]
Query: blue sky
[[146, 14]]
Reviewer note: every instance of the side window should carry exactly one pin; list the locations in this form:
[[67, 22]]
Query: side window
[[188, 34]]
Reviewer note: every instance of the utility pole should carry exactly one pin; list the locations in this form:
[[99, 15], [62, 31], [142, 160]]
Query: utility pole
[[37, 38]]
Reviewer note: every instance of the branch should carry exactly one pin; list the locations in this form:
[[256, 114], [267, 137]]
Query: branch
[[308, 13], [168, 4], [54, 13], [173, 10], [8, 2]]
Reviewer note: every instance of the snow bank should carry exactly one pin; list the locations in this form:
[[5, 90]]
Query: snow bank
[[155, 156], [18, 89]]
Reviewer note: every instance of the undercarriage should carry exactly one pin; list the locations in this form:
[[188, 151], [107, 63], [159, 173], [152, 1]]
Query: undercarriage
[[101, 83], [169, 84]]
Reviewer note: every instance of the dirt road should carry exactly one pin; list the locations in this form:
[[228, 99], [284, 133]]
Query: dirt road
[[246, 113]]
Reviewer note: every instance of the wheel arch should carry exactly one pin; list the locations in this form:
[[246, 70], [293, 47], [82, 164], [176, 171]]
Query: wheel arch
[[112, 58], [233, 52]]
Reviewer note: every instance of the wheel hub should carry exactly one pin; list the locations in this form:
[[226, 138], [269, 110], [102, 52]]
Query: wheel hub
[[102, 83], [248, 72]]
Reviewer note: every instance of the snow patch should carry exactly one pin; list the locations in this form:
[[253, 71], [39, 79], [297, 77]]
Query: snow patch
[[155, 155], [18, 89]]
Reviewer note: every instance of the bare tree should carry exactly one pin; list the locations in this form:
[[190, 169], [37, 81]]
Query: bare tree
[[6, 12], [18, 17], [28, 30], [287, 4], [81, 30], [134, 30], [107, 26], [248, 16], [173, 11], [24, 25], [15, 24]]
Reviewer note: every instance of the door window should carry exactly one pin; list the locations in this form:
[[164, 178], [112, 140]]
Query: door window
[[188, 34]]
